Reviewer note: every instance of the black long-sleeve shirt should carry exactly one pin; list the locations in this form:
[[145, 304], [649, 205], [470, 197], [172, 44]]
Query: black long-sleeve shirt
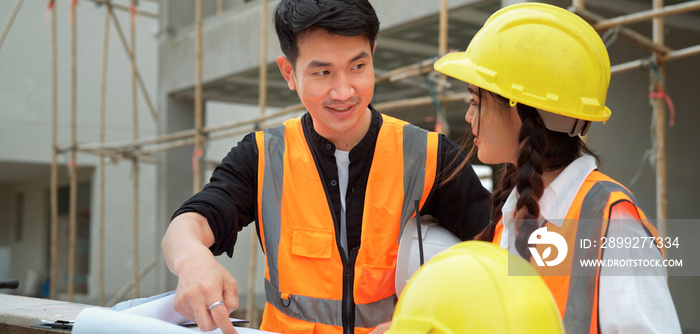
[[229, 200]]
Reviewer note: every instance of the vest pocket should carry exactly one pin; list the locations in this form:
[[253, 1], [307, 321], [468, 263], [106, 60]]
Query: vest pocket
[[306, 267], [374, 283], [312, 242]]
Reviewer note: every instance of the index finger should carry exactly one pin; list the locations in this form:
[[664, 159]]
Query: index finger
[[222, 320]]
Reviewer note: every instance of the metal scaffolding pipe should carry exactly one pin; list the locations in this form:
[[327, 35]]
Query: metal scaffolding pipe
[[198, 102], [135, 162], [125, 289], [441, 124], [125, 8], [72, 166], [657, 84], [11, 19], [656, 12], [682, 53], [54, 154], [423, 67], [628, 33], [673, 55], [118, 27], [101, 213]]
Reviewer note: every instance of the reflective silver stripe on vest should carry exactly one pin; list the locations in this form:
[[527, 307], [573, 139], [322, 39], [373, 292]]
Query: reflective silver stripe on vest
[[415, 147], [325, 311], [328, 311], [379, 312], [272, 197], [582, 284]]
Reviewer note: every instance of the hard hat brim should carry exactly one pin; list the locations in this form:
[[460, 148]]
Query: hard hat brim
[[460, 67]]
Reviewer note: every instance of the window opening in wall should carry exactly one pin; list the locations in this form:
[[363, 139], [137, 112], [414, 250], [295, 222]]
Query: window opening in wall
[[82, 242]]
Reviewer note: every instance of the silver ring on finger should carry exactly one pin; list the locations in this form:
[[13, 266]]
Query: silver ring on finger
[[215, 304]]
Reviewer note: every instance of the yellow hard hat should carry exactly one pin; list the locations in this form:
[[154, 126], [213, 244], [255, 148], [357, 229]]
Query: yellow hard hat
[[468, 289], [539, 55]]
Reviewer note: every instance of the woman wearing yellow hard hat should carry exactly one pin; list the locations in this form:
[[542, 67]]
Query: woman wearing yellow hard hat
[[538, 76]]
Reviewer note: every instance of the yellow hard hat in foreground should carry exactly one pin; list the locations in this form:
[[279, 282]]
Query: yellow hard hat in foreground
[[538, 55], [467, 289]]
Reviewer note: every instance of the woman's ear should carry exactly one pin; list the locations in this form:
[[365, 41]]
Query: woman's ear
[[287, 70]]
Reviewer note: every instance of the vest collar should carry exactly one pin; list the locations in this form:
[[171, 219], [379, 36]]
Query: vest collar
[[559, 195]]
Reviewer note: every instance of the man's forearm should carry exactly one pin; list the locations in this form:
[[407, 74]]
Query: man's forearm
[[188, 235]]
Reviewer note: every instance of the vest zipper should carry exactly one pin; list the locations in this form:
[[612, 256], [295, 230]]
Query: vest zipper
[[348, 308]]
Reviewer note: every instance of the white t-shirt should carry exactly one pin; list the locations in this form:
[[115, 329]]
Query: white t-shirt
[[342, 159]]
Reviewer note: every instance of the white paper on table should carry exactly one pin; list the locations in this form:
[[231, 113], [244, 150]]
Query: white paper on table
[[161, 309], [156, 316], [105, 321]]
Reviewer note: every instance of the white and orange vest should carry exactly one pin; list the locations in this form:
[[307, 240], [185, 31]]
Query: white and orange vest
[[576, 289]]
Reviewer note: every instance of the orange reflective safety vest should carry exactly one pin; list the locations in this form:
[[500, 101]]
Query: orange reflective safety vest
[[575, 287], [311, 287]]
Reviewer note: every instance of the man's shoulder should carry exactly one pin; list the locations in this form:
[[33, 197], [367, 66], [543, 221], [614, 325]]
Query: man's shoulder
[[399, 123], [386, 119], [294, 121]]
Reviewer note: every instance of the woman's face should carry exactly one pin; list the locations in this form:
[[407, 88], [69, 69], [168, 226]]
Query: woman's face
[[495, 126]]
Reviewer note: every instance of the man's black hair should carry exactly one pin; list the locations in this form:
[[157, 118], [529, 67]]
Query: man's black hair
[[295, 18]]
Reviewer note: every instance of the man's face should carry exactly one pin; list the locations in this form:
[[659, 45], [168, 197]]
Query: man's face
[[334, 78]]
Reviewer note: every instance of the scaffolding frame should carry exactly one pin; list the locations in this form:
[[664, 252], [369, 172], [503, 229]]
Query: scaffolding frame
[[143, 149], [137, 82]]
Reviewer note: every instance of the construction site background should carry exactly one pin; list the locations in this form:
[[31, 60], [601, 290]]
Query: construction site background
[[148, 162]]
